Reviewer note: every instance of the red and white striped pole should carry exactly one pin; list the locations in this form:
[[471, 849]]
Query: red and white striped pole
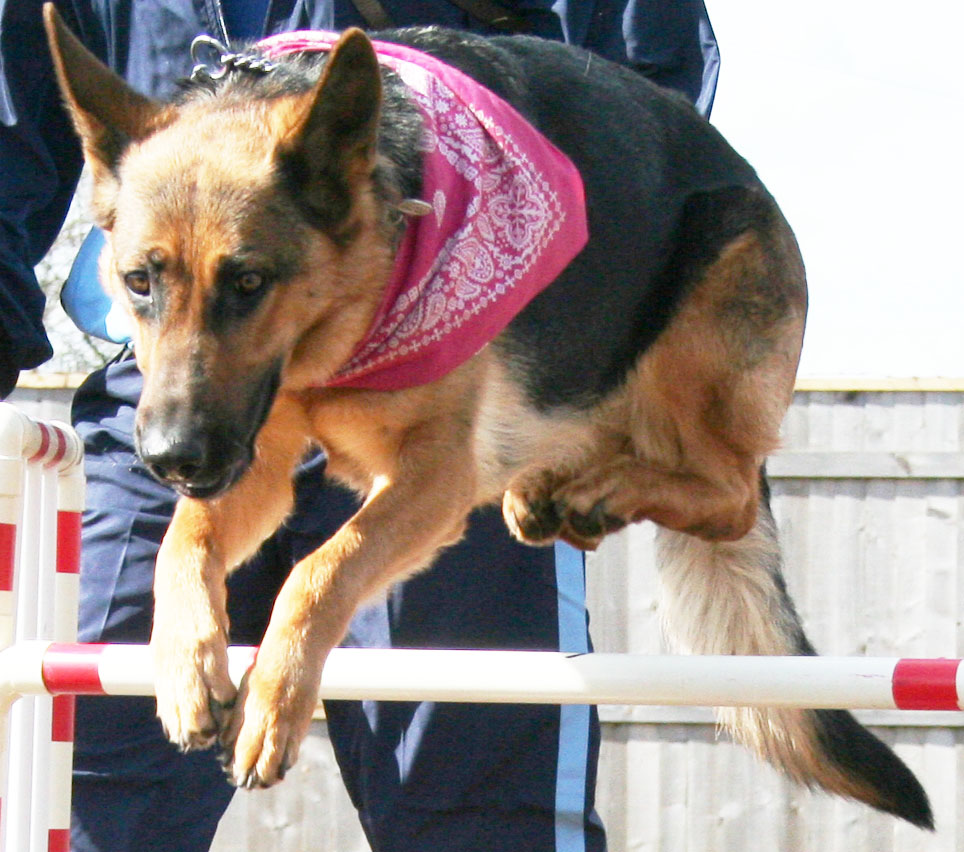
[[43, 489], [542, 677]]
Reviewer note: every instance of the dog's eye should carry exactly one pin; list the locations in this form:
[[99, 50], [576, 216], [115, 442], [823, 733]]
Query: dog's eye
[[249, 282], [138, 282]]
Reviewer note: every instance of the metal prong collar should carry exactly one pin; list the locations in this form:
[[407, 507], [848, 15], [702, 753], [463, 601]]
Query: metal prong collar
[[212, 60]]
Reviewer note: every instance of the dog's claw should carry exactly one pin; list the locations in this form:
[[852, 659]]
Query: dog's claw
[[221, 714], [197, 741], [203, 739]]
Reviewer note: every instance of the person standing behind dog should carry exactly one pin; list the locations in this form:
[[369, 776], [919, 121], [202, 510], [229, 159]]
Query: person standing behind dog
[[424, 777]]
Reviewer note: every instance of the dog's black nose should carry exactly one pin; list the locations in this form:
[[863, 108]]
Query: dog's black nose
[[194, 461], [172, 458]]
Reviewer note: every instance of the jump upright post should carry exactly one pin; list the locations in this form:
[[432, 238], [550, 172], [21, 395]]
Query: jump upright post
[[41, 499]]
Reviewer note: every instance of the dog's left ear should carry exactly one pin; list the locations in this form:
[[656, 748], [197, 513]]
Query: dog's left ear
[[106, 112], [331, 145]]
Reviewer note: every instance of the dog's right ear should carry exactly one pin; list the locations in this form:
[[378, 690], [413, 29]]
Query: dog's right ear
[[107, 113]]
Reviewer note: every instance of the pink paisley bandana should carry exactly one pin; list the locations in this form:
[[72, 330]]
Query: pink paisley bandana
[[508, 215]]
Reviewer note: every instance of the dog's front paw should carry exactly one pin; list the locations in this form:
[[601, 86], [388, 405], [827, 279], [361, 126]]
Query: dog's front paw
[[194, 691], [273, 713]]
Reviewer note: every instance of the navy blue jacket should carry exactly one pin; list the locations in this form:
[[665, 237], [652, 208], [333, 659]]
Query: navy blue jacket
[[40, 159]]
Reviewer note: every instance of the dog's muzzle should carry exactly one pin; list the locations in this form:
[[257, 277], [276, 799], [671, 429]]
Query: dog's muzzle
[[196, 451], [193, 462]]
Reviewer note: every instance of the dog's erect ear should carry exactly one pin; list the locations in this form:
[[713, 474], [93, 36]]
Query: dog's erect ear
[[106, 112], [332, 142]]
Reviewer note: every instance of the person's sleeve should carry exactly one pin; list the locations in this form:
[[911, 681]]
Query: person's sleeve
[[672, 43], [40, 162]]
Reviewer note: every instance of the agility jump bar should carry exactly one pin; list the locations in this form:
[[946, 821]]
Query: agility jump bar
[[531, 677]]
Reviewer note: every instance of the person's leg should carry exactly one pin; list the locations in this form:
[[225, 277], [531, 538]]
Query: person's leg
[[464, 777], [175, 808], [460, 777]]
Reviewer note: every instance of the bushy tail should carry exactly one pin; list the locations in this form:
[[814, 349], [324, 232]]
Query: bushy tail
[[730, 598]]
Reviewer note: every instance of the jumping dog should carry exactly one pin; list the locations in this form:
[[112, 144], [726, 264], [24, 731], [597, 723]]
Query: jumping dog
[[471, 270]]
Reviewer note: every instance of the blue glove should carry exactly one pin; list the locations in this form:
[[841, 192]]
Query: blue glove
[[85, 301]]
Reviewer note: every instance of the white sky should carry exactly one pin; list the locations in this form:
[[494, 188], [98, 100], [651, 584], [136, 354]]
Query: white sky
[[852, 112]]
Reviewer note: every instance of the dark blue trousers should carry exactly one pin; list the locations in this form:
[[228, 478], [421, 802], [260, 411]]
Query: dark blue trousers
[[425, 777]]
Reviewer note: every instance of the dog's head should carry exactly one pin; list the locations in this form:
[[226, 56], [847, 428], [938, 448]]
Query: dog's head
[[244, 236]]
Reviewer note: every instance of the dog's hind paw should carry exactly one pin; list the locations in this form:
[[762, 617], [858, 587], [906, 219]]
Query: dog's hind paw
[[537, 511], [530, 513]]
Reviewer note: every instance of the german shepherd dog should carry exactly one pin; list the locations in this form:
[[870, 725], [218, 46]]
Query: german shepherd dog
[[253, 226]]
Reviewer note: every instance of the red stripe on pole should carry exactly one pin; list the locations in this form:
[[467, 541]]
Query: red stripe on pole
[[44, 444], [61, 450], [62, 720], [73, 669], [58, 840], [68, 542], [926, 684], [8, 553]]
